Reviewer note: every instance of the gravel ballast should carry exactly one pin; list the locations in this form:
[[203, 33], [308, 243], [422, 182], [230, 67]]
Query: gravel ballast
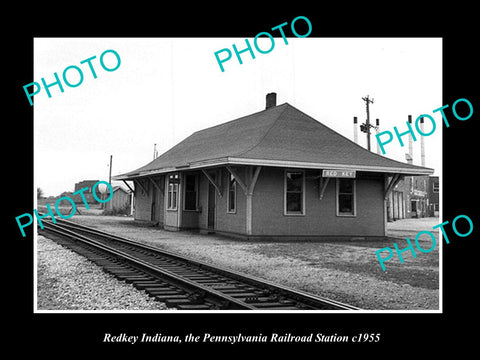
[[344, 271], [68, 281]]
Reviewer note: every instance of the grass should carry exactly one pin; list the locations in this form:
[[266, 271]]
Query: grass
[[360, 258]]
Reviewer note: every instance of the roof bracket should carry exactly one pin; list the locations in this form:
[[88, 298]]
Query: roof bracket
[[391, 184], [144, 191], [323, 186], [252, 178], [156, 185], [238, 179], [212, 181]]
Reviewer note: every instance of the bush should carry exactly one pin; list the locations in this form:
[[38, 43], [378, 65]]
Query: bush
[[117, 212]]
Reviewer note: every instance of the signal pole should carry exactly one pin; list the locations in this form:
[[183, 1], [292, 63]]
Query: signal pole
[[366, 126]]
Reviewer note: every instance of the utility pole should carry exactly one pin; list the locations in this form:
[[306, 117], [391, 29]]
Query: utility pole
[[110, 171], [103, 195], [366, 126]]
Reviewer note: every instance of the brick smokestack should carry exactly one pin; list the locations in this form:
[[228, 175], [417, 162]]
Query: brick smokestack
[[409, 156], [422, 144], [271, 100]]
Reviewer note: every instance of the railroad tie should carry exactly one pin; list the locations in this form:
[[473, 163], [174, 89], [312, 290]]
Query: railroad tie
[[144, 267]]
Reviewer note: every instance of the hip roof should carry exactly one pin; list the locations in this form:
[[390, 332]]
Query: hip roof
[[278, 136]]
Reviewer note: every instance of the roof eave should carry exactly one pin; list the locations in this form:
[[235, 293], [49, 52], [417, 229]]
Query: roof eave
[[310, 165], [278, 163], [165, 170]]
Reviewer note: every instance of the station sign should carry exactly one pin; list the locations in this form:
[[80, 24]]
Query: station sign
[[333, 173]]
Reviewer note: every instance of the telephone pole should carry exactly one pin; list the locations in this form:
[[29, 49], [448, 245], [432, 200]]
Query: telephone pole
[[366, 126], [110, 171], [103, 195]]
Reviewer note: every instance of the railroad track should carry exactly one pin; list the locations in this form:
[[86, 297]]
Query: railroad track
[[177, 280]]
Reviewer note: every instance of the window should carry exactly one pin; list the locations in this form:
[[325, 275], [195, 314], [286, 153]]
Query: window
[[436, 187], [294, 193], [173, 181], [346, 197], [190, 192], [232, 195]]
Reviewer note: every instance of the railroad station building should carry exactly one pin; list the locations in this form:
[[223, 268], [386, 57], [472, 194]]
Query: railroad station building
[[274, 174]]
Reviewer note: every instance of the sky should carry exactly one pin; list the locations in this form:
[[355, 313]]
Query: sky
[[167, 88]]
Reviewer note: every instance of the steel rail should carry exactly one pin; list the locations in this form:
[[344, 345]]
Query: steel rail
[[138, 262], [311, 300]]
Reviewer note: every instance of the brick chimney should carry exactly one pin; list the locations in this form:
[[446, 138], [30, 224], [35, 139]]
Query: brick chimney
[[422, 144], [410, 144], [271, 100]]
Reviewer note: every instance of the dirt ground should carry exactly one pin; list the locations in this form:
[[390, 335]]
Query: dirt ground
[[346, 271]]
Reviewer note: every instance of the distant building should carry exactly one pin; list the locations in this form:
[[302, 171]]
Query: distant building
[[433, 196], [414, 196], [120, 200], [87, 193], [67, 194], [409, 199]]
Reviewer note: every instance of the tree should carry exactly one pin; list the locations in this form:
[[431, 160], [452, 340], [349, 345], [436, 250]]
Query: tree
[[39, 193]]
